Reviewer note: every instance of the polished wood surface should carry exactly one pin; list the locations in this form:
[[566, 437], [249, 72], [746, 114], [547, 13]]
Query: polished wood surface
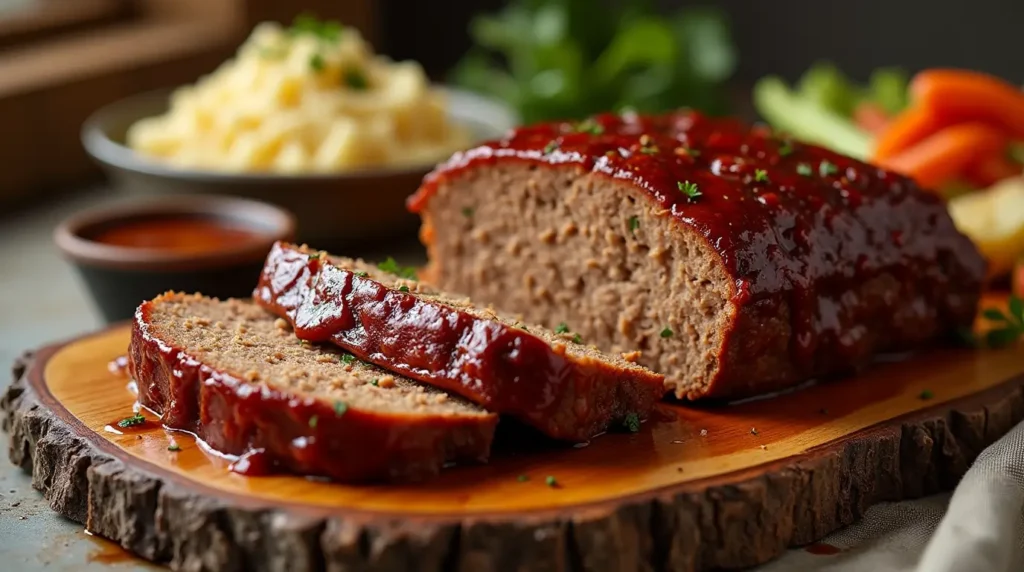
[[687, 448]]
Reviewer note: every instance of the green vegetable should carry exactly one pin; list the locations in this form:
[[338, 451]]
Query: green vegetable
[[825, 86], [807, 120], [576, 339], [631, 422], [347, 359], [634, 223], [888, 89], [569, 59], [1010, 325]]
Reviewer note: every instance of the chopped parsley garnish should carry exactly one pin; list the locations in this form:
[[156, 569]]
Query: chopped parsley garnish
[[174, 447], [562, 328], [347, 359], [522, 478], [649, 149], [761, 176], [314, 420], [467, 212], [632, 422], [551, 481], [576, 339], [317, 63], [689, 189], [634, 223], [361, 274], [826, 168], [316, 256], [132, 421], [785, 149], [667, 332], [551, 147], [926, 394], [403, 288], [1010, 325], [340, 407], [375, 382], [327, 30], [392, 266], [355, 79], [589, 126], [804, 169]]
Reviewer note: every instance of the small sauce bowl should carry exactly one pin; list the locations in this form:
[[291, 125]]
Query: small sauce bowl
[[129, 252]]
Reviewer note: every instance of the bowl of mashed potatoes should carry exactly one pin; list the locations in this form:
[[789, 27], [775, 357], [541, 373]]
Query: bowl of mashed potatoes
[[305, 116]]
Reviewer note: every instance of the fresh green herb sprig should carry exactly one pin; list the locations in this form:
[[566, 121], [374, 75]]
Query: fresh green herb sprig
[[689, 189], [631, 422]]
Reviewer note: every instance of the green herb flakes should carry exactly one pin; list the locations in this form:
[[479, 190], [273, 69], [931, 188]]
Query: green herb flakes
[[347, 359], [375, 382], [589, 126], [634, 223], [403, 288], [551, 147], [827, 168], [132, 421], [361, 274], [317, 63], [551, 481], [667, 333], [314, 420], [689, 189], [785, 149], [632, 422], [761, 176], [576, 339], [355, 79], [467, 212], [562, 328], [804, 170], [392, 266], [174, 447], [926, 395], [340, 407]]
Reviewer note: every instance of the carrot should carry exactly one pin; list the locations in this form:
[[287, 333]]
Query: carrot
[[962, 96], [870, 117], [904, 130], [943, 156], [990, 170]]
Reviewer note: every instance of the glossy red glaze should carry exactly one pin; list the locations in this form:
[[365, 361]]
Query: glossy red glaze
[[505, 369], [278, 431], [793, 224], [181, 234]]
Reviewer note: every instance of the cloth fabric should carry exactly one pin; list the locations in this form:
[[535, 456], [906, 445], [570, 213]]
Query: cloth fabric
[[979, 528]]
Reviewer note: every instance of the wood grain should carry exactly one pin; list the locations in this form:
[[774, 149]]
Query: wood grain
[[704, 488]]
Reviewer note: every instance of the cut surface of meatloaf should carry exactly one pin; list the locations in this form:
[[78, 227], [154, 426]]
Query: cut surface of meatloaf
[[238, 378], [740, 262], [551, 381]]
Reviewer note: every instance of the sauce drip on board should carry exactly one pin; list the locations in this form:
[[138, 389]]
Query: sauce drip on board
[[181, 234]]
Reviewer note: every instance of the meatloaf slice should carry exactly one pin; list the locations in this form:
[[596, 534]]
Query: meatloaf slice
[[239, 379], [738, 261], [550, 380]]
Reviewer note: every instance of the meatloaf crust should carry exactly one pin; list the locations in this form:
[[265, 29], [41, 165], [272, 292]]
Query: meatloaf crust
[[738, 260], [561, 387], [236, 377]]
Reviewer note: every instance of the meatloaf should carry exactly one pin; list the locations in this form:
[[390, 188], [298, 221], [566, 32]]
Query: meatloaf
[[737, 260], [552, 381], [239, 379]]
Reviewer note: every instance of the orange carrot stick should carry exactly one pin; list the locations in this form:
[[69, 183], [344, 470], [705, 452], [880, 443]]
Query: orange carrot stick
[[962, 96], [944, 155], [905, 130]]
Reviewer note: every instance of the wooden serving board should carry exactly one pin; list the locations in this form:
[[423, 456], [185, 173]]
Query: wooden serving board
[[702, 488]]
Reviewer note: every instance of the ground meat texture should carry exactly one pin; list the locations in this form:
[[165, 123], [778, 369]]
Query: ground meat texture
[[551, 380], [737, 261], [239, 379]]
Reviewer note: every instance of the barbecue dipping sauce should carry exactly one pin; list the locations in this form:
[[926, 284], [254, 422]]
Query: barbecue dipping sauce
[[184, 234]]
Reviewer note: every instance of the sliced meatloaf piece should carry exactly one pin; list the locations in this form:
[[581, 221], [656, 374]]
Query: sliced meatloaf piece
[[552, 381], [739, 261], [239, 379]]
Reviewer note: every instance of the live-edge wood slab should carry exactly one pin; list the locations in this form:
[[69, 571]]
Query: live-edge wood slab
[[699, 488]]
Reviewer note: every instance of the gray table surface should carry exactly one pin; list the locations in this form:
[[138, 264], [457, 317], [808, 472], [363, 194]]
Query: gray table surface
[[42, 300]]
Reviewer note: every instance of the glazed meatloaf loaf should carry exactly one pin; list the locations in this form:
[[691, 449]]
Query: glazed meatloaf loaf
[[739, 262], [549, 380], [238, 378]]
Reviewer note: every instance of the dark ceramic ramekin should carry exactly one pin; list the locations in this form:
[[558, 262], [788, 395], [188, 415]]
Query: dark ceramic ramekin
[[121, 277]]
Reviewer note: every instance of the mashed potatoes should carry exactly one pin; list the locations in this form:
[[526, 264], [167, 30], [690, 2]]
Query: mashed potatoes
[[310, 98]]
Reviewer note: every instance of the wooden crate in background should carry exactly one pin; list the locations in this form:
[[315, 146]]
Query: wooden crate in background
[[60, 60]]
